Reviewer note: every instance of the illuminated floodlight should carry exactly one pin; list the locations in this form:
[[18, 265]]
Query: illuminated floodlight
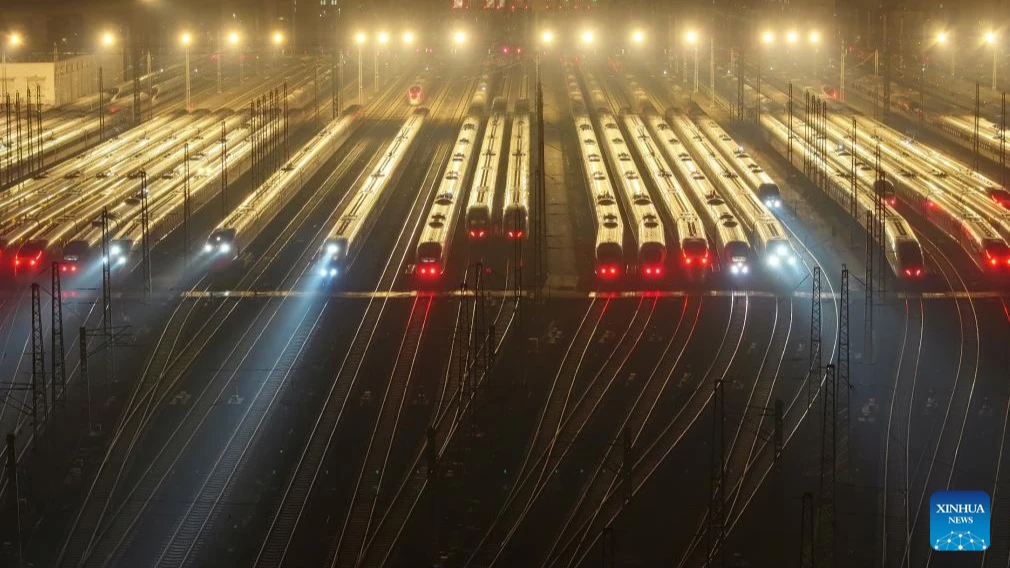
[[791, 37], [990, 38], [108, 39], [941, 38], [815, 37], [408, 37], [383, 37], [208, 248], [691, 37], [638, 36], [278, 38], [588, 37], [360, 38], [233, 38], [14, 39], [547, 37], [186, 38], [767, 37], [459, 37]]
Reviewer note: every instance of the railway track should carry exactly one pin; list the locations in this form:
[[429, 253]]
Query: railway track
[[162, 373], [941, 464], [998, 554], [895, 532], [287, 516]]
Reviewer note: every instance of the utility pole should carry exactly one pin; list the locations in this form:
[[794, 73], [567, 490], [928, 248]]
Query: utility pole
[[976, 158], [826, 516], [224, 170], [106, 280], [40, 400], [59, 379], [807, 531], [83, 350], [868, 282], [145, 235], [789, 140], [185, 206], [12, 482], [842, 378], [841, 78], [101, 108], [814, 374]]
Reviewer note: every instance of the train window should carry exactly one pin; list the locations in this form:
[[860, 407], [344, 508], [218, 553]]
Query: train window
[[909, 254], [594, 157], [589, 142], [630, 175], [585, 127], [617, 141], [609, 253], [624, 156], [996, 248], [694, 247], [737, 250], [457, 157], [610, 125], [599, 176], [452, 175]]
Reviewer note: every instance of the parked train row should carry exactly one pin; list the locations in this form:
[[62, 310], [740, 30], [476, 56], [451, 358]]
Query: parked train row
[[258, 209]]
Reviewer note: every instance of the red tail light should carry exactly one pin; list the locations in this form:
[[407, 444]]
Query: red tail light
[[73, 268], [704, 259], [32, 262], [918, 272], [891, 201], [992, 261], [17, 262], [688, 260]]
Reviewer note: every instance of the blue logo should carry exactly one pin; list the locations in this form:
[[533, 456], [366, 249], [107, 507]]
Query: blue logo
[[959, 521]]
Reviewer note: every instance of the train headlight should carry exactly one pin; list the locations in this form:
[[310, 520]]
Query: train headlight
[[734, 269], [121, 261], [333, 272], [745, 269], [208, 248], [773, 261], [115, 250], [323, 272], [332, 248], [778, 203], [225, 248], [782, 250]]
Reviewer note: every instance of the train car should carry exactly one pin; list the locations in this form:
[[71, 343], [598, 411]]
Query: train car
[[730, 237], [480, 204], [417, 92], [646, 226], [755, 176], [901, 246], [515, 214], [768, 237], [259, 208], [358, 216], [690, 231], [968, 218], [609, 263], [433, 245]]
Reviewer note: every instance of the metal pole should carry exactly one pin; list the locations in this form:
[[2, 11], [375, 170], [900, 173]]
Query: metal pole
[[224, 170], [189, 105], [841, 80], [83, 347], [361, 99], [695, 89], [185, 204], [145, 235], [375, 66], [101, 108], [711, 69], [219, 55], [59, 377], [12, 482], [995, 52]]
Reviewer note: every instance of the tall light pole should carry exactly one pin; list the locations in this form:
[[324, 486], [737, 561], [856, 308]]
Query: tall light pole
[[992, 39], [107, 41], [233, 41], [186, 40], [359, 39], [941, 38], [767, 39], [458, 39], [12, 41], [815, 40], [383, 38], [277, 38], [692, 39]]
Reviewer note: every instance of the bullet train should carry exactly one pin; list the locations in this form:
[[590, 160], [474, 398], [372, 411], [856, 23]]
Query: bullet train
[[691, 238], [515, 214], [609, 263], [355, 221], [729, 235], [480, 204], [433, 245], [646, 226]]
